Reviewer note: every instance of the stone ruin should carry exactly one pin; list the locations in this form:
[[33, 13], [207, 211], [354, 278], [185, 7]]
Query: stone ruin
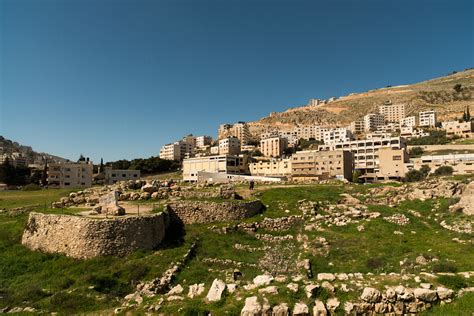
[[108, 205]]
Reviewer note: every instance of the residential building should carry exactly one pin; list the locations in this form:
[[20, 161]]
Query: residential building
[[240, 130], [15, 159], [229, 146], [427, 119], [408, 121], [114, 175], [171, 152], [321, 165], [394, 163], [409, 132], [221, 164], [203, 141], [388, 128], [315, 102], [336, 135], [271, 168], [215, 150], [461, 163], [357, 127], [372, 121], [366, 151], [392, 112], [190, 139], [70, 175], [273, 147], [461, 129]]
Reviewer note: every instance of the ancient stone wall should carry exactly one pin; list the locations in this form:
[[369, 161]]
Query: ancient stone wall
[[190, 212], [83, 237]]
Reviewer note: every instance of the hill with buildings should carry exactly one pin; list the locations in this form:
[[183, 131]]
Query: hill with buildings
[[14, 150], [448, 96]]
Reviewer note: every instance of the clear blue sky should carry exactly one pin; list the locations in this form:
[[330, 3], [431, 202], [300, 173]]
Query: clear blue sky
[[118, 79]]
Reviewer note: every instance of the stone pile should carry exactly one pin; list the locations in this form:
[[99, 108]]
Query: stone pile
[[398, 219]]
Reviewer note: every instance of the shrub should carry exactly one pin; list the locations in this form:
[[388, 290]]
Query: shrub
[[31, 187], [415, 152], [414, 175], [425, 169], [455, 282], [355, 176], [444, 171], [445, 267], [375, 263]]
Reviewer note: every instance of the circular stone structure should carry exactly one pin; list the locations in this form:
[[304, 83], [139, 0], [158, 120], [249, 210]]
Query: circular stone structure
[[84, 237]]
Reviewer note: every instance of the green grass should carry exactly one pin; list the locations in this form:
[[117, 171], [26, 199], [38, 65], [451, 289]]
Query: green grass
[[13, 199], [463, 306]]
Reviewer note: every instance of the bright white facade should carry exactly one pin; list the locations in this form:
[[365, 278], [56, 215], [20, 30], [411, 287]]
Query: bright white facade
[[70, 175], [372, 121], [229, 146], [336, 135], [408, 121], [427, 119]]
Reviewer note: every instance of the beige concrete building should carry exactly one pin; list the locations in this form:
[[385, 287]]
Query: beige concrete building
[[273, 147], [70, 175], [321, 165], [409, 132], [357, 127], [225, 164], [203, 141], [461, 163], [394, 163], [393, 113], [171, 152], [366, 151], [336, 135], [372, 121], [280, 168], [240, 130], [427, 119], [229, 146], [114, 175], [408, 121], [463, 129]]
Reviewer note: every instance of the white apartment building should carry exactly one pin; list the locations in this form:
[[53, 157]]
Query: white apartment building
[[15, 159], [409, 132], [240, 130], [321, 165], [461, 129], [366, 156], [408, 121], [273, 147], [229, 146], [392, 112], [70, 175], [372, 121], [171, 151], [221, 164], [315, 102], [114, 175], [336, 135], [271, 168], [388, 128], [427, 119], [203, 141]]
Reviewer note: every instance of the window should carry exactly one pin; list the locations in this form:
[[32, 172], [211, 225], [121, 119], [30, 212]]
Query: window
[[398, 157]]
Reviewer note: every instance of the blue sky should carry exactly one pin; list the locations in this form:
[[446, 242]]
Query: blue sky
[[118, 79]]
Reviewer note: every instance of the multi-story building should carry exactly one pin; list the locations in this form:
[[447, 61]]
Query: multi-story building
[[171, 151], [240, 130], [321, 164], [408, 121], [70, 175], [372, 121], [388, 128], [409, 132], [392, 112], [273, 147], [203, 141], [394, 163], [271, 168], [114, 175], [357, 127], [315, 102], [15, 159], [366, 151], [336, 135], [427, 119], [221, 164], [229, 146], [461, 163], [461, 129]]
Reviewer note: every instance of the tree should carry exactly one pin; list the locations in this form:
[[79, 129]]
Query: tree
[[425, 169], [81, 158], [101, 167], [457, 87], [355, 176], [444, 171], [415, 152], [7, 172], [468, 115], [44, 176]]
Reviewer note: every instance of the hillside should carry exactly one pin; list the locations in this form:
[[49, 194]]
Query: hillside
[[8, 147], [437, 94]]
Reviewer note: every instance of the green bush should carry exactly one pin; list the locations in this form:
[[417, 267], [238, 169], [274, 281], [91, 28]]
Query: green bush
[[444, 171], [444, 267], [414, 176], [455, 282], [415, 152], [31, 187]]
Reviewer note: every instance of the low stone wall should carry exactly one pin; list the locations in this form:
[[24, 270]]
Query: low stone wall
[[191, 212], [83, 237]]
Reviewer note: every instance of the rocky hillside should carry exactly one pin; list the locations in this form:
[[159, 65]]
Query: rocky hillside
[[438, 94], [8, 147]]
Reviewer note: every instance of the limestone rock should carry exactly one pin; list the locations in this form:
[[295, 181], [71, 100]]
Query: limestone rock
[[444, 293], [301, 309], [264, 279], [252, 307], [319, 309], [311, 290], [332, 303], [149, 188], [281, 310], [326, 277], [370, 295], [178, 289], [269, 290], [466, 202], [216, 290], [425, 295], [293, 287], [195, 290]]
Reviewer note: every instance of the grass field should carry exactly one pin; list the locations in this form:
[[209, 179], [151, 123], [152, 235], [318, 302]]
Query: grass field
[[58, 283]]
